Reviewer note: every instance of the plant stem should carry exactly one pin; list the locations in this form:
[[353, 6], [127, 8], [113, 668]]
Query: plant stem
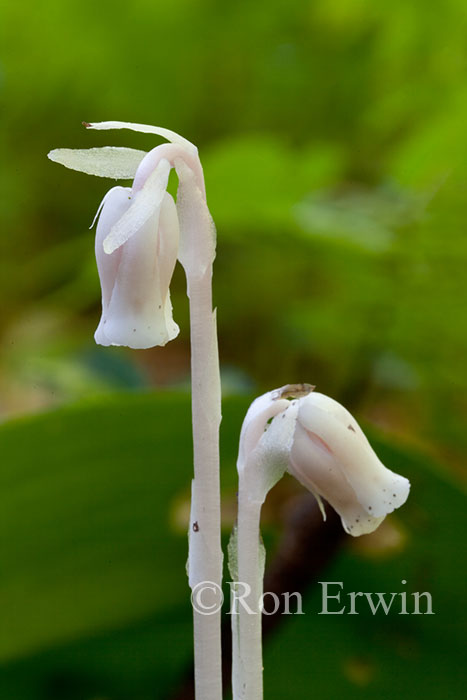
[[247, 662], [205, 553]]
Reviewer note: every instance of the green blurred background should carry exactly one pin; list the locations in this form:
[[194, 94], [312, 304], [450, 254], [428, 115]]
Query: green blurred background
[[334, 142]]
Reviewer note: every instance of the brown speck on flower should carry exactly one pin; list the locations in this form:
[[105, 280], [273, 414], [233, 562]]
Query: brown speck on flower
[[195, 526], [294, 391]]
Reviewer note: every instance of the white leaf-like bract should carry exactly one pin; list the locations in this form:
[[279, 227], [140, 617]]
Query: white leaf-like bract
[[109, 161]]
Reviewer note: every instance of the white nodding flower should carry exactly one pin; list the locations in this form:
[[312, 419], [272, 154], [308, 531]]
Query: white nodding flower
[[141, 232], [135, 278], [319, 442]]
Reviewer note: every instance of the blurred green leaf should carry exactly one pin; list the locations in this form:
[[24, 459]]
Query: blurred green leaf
[[86, 505]]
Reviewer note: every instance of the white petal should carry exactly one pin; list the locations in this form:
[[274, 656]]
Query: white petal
[[139, 313], [108, 161], [316, 468], [378, 489], [144, 204], [145, 129], [113, 206]]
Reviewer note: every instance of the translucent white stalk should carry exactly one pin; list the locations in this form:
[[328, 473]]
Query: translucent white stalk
[[247, 655], [205, 554], [263, 458]]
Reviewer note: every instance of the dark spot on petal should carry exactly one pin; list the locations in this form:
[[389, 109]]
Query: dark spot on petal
[[195, 526], [86, 124], [351, 428], [370, 508], [394, 495], [134, 330]]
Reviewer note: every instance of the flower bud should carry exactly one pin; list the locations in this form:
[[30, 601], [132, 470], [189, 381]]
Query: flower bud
[[319, 442], [135, 277]]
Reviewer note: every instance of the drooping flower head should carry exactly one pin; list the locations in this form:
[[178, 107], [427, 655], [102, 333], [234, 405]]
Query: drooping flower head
[[319, 442], [141, 232]]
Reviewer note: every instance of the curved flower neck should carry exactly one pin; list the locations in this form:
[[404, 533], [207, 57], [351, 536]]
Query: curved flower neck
[[172, 152]]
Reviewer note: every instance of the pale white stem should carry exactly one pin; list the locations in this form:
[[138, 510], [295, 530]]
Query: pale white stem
[[205, 557], [265, 439], [247, 662]]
